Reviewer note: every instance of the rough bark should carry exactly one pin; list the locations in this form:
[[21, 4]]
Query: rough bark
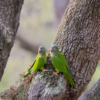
[[94, 92], [78, 39], [9, 22]]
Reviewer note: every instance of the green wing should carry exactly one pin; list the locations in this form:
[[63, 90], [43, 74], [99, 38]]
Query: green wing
[[60, 66], [33, 63], [37, 64], [64, 61]]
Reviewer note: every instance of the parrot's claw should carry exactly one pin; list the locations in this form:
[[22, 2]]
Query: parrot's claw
[[33, 73], [56, 73], [45, 70]]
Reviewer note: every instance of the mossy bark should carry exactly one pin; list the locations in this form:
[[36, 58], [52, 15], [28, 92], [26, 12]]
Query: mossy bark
[[9, 22]]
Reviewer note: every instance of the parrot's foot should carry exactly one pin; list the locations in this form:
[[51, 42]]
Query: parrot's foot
[[29, 78], [45, 70], [56, 73], [33, 74]]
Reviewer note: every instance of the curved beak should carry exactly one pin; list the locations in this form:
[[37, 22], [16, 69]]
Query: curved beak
[[51, 49], [39, 50]]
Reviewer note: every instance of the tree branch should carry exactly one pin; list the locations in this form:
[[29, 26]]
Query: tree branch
[[26, 44], [78, 39], [9, 22], [94, 92]]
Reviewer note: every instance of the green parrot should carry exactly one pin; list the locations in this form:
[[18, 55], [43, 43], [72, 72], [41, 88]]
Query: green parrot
[[38, 62], [60, 64]]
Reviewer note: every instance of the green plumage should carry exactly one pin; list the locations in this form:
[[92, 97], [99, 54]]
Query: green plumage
[[38, 62], [60, 64]]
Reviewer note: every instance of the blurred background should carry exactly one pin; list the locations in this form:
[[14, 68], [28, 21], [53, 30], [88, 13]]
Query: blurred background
[[38, 24]]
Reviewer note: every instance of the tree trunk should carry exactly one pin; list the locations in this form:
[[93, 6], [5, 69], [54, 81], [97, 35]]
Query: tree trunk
[[94, 92], [78, 40], [9, 22]]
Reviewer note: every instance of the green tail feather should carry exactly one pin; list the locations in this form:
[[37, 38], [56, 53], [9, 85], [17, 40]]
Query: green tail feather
[[70, 73], [28, 73], [69, 80]]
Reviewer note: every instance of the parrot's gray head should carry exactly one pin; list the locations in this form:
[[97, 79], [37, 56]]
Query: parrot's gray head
[[41, 50], [54, 49]]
